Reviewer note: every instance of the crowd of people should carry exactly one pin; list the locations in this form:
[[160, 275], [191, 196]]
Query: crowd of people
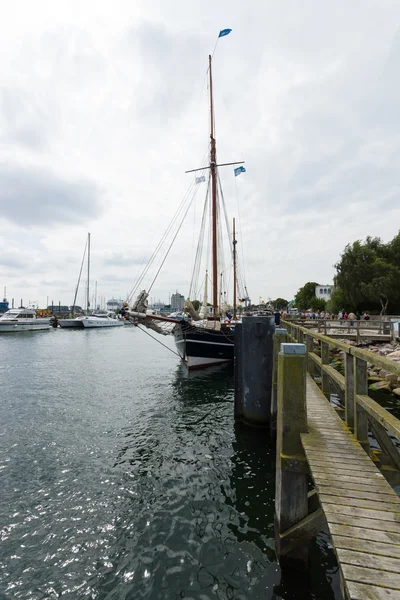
[[342, 316]]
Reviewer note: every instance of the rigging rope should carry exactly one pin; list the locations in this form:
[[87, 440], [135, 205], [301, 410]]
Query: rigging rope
[[170, 246], [200, 245], [156, 340], [166, 233]]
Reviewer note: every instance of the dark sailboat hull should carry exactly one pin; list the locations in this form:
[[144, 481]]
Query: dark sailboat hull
[[201, 348]]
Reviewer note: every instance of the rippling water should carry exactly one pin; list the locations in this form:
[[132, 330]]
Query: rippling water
[[123, 477]]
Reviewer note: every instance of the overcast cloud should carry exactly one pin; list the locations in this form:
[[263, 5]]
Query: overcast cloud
[[103, 107]]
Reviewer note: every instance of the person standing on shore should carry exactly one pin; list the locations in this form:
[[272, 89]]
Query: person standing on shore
[[352, 318], [358, 315], [366, 316]]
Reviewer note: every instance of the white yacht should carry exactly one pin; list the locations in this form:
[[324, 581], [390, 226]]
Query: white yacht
[[91, 321], [77, 322], [22, 319]]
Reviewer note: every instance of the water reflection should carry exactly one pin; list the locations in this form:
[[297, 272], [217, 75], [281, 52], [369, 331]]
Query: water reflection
[[196, 519]]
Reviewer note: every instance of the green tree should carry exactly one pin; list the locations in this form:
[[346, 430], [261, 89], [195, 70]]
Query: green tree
[[368, 275], [337, 302], [280, 303], [318, 304], [305, 295]]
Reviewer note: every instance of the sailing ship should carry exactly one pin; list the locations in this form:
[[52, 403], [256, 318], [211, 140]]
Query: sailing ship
[[204, 340]]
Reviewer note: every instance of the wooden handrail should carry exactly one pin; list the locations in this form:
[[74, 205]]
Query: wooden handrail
[[361, 411], [370, 357]]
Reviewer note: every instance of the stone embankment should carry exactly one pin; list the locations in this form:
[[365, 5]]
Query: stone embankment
[[378, 379]]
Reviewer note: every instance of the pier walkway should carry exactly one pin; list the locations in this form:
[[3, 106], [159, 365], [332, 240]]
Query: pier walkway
[[361, 509], [328, 448]]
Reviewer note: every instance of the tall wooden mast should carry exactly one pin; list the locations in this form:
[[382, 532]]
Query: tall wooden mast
[[234, 242], [88, 276], [213, 163]]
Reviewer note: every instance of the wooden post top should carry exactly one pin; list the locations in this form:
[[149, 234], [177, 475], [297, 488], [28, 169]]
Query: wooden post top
[[293, 349]]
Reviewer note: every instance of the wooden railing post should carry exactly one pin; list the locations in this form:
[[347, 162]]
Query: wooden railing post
[[349, 391], [325, 326], [280, 337], [325, 359], [291, 491], [360, 415], [310, 348], [358, 334]]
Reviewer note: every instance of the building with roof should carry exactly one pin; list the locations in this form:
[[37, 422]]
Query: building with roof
[[324, 292]]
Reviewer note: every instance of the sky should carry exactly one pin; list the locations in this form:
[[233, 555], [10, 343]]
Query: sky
[[103, 107]]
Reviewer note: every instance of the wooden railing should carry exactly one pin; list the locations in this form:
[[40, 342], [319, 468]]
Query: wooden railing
[[357, 328], [361, 413]]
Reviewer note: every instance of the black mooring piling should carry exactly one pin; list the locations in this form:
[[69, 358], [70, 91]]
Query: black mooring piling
[[254, 345]]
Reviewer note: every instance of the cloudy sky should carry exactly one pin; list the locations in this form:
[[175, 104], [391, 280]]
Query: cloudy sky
[[103, 107]]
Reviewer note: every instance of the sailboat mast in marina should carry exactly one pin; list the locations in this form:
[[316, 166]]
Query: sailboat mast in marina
[[202, 340], [202, 345], [213, 162]]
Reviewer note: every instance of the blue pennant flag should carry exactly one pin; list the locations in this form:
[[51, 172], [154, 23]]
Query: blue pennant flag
[[200, 179], [239, 170], [224, 32]]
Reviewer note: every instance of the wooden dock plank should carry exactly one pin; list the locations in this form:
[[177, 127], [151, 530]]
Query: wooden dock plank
[[357, 494], [350, 543], [341, 519], [332, 463], [371, 576], [359, 503], [346, 485], [373, 535], [373, 481], [365, 513], [362, 591], [371, 561]]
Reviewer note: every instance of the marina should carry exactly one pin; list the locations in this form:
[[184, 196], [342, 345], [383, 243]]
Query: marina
[[200, 342]]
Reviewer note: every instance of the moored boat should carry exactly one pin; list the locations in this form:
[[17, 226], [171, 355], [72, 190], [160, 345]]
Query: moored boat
[[23, 319], [92, 321], [203, 338], [71, 323]]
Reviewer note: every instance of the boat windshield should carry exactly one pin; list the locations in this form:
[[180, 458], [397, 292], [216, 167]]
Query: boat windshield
[[16, 314]]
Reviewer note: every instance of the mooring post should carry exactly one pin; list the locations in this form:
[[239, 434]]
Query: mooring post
[[291, 490], [280, 337], [254, 369], [237, 373]]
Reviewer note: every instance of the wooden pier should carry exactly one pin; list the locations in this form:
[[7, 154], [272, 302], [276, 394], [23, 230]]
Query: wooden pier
[[327, 476]]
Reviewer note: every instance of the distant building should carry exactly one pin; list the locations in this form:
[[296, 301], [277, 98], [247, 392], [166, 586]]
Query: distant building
[[324, 291], [4, 304], [58, 308], [114, 304], [177, 302]]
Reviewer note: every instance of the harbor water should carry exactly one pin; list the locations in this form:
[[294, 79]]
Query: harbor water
[[124, 477]]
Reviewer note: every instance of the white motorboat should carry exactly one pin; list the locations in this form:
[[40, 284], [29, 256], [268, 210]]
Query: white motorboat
[[22, 319], [68, 323], [91, 321]]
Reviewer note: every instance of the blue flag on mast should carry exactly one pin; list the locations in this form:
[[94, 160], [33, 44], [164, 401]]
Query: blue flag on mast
[[239, 170], [224, 32]]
